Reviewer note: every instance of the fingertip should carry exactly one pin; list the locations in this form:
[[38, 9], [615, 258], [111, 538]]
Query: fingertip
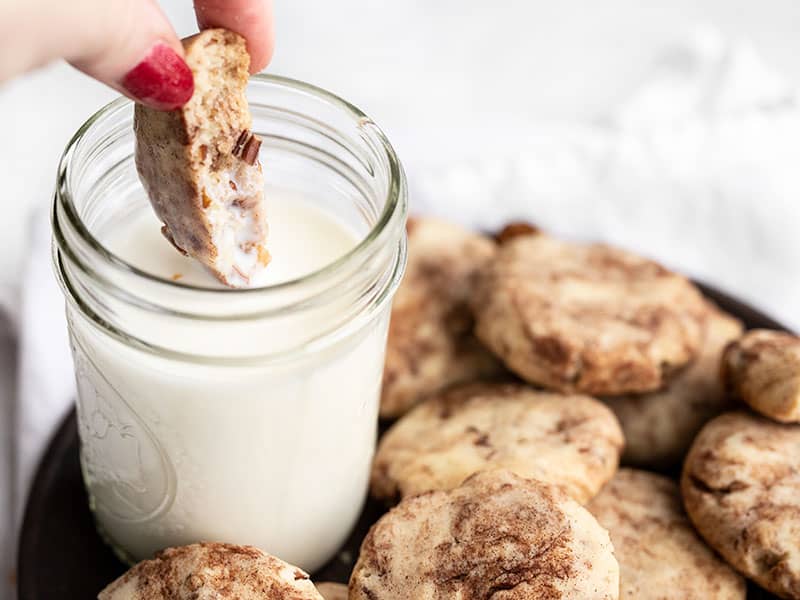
[[131, 46], [260, 53], [161, 80]]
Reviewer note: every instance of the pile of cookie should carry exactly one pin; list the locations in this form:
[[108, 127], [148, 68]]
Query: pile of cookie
[[597, 356], [521, 371]]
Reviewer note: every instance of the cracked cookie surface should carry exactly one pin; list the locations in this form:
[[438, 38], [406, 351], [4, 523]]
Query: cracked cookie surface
[[586, 317], [212, 570], [763, 369], [431, 344], [497, 537], [741, 489], [659, 427], [572, 441], [660, 556]]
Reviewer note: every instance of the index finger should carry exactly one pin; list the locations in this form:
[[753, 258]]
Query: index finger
[[251, 19]]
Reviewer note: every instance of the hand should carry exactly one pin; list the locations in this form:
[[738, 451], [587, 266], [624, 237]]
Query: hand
[[127, 44]]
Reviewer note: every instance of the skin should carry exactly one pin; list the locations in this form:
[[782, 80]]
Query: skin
[[106, 39]]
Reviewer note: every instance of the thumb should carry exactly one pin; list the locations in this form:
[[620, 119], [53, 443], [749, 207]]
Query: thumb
[[126, 44]]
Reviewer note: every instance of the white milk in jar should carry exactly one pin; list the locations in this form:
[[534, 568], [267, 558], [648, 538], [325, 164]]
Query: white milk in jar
[[244, 416]]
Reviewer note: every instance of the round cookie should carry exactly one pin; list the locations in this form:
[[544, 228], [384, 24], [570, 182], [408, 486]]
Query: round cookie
[[332, 591], [212, 570], [659, 427], [659, 553], [741, 489], [763, 369], [571, 441], [496, 536], [430, 343], [586, 317]]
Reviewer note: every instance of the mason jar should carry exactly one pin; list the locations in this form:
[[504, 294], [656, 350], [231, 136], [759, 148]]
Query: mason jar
[[237, 415]]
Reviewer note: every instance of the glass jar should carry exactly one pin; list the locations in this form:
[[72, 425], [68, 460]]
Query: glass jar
[[246, 416]]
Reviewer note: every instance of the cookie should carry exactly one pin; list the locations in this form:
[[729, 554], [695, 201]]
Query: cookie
[[572, 441], [496, 536], [212, 570], [659, 427], [199, 164], [332, 591], [763, 369], [741, 489], [586, 317], [431, 344], [660, 556]]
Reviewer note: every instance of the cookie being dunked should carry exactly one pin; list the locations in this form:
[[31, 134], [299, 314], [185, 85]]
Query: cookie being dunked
[[199, 164]]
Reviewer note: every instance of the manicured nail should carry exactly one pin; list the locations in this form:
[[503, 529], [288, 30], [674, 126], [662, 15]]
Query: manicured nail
[[162, 80]]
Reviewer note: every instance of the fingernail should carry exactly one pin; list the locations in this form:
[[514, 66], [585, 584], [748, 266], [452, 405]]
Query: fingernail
[[162, 80]]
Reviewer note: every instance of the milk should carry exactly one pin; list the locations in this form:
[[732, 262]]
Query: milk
[[302, 239], [276, 455]]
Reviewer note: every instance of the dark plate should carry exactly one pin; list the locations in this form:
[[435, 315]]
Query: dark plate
[[61, 556]]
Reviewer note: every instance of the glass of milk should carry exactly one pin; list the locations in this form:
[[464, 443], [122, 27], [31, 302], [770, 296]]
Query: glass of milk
[[246, 416]]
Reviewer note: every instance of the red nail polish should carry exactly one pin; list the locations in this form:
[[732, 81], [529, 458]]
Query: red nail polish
[[162, 80]]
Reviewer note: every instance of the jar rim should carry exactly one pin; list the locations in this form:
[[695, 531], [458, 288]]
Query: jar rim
[[395, 202]]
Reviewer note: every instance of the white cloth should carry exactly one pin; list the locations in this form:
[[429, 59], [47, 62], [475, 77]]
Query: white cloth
[[695, 168], [698, 169], [44, 386]]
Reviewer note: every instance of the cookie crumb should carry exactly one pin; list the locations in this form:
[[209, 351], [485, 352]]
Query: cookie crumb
[[247, 146], [516, 229]]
